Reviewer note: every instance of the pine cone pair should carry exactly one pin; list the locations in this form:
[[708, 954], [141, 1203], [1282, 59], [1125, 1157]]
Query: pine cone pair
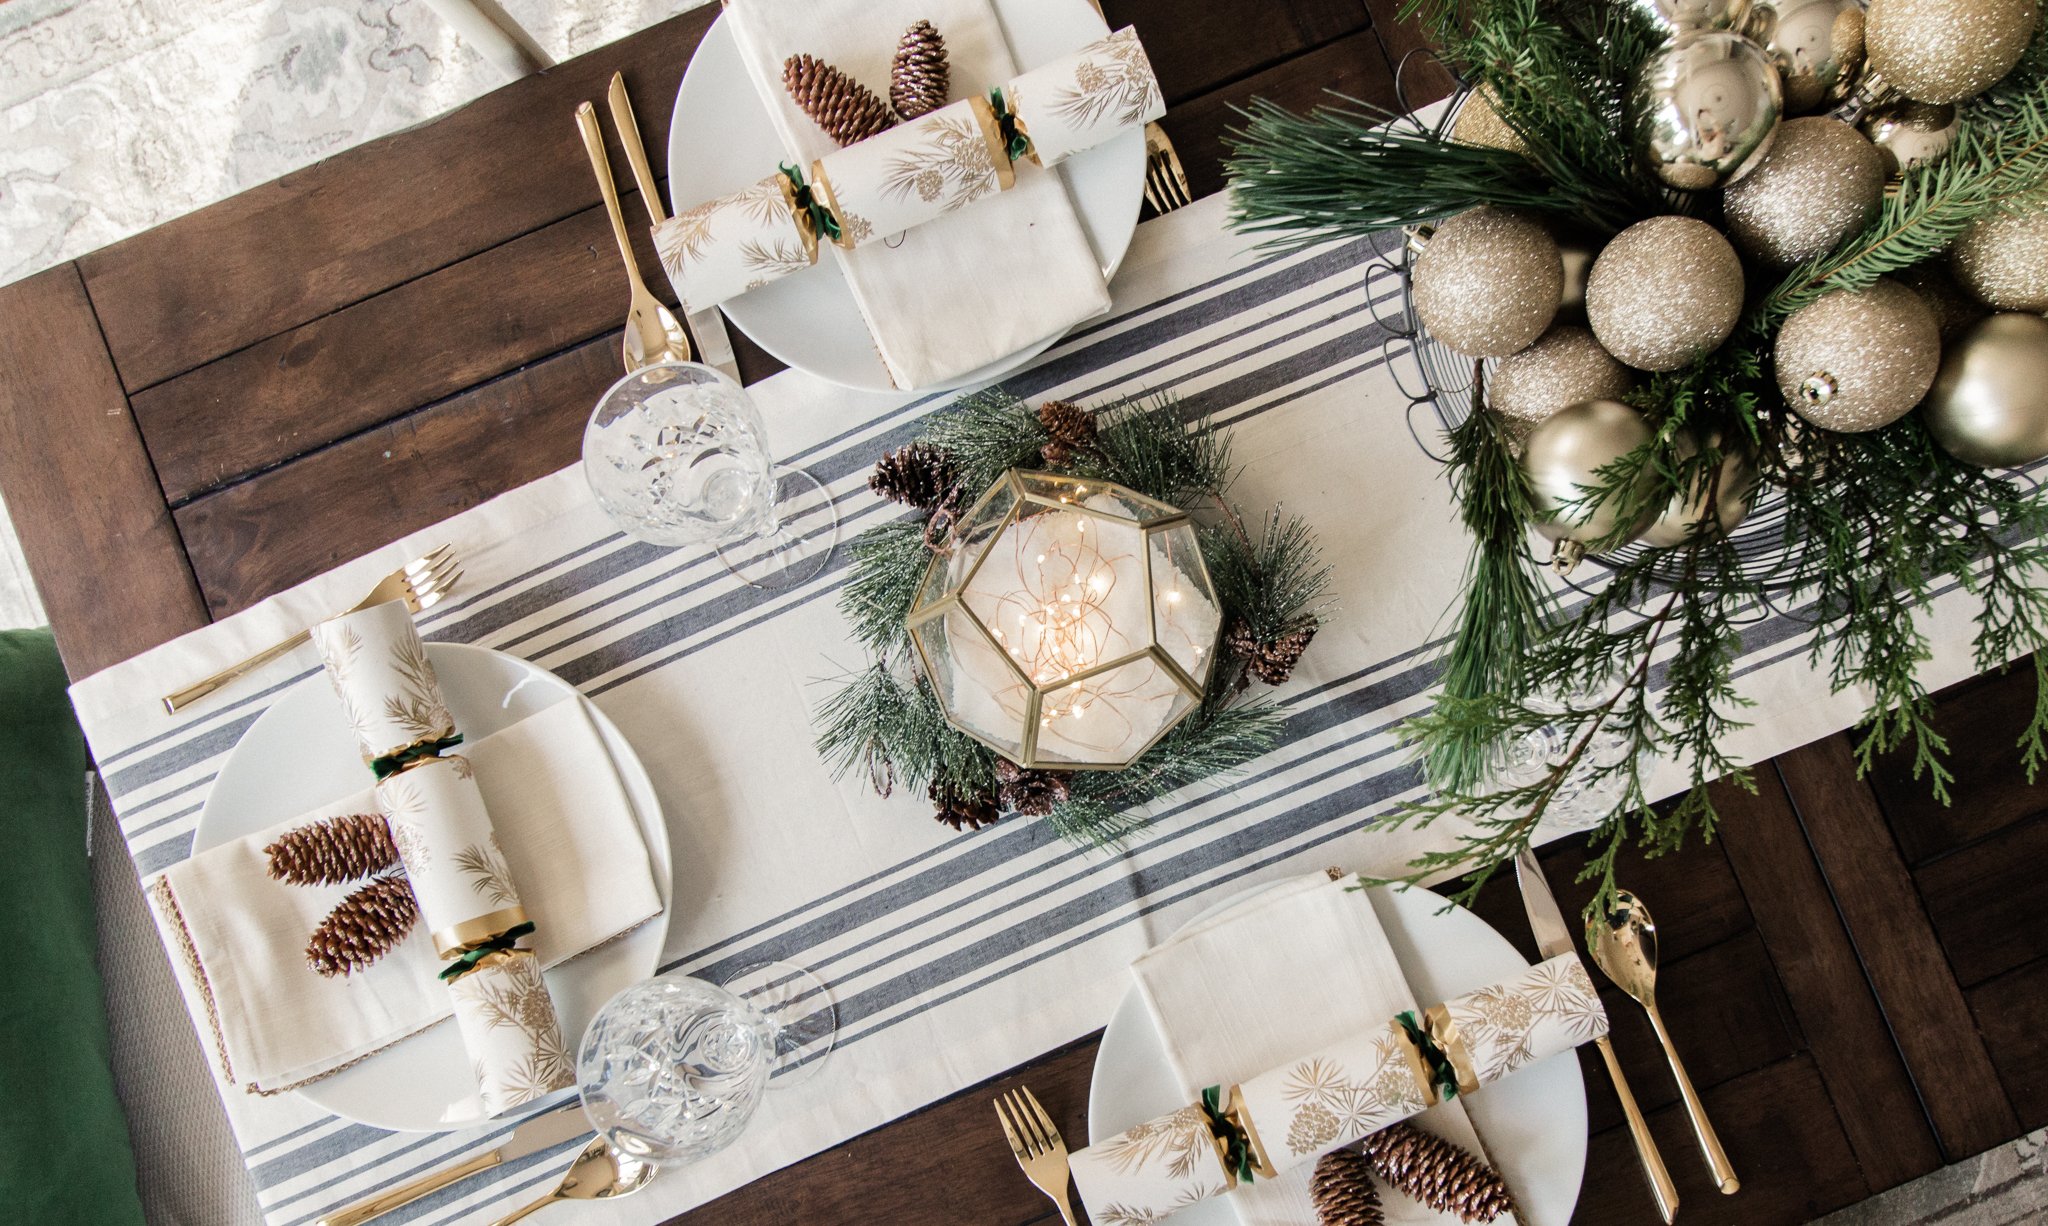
[[1272, 663], [1072, 428], [850, 112], [373, 919], [1032, 793]]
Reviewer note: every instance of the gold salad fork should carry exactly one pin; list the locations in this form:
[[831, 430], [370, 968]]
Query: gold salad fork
[[1166, 184], [1037, 1145], [421, 583]]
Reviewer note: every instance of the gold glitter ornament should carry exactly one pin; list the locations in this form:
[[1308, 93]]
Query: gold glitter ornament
[[1706, 108], [2003, 259], [1954, 309], [1821, 182], [1478, 122], [1734, 488], [1664, 293], [1858, 359], [1909, 133], [1817, 46], [1563, 458], [1565, 366], [1488, 282], [1947, 50], [1989, 404]]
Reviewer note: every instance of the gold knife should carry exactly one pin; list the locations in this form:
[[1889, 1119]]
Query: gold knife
[[1554, 938], [539, 1133], [714, 346]]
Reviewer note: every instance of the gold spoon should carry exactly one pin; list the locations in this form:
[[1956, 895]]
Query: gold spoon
[[595, 1175], [1625, 948], [652, 331]]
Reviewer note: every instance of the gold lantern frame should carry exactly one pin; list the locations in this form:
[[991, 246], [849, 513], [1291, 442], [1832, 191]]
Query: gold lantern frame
[[1029, 488]]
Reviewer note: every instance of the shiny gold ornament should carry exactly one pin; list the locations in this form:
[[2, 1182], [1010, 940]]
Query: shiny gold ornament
[[1954, 309], [1478, 122], [1565, 366], [1821, 182], [1664, 292], [1817, 46], [1563, 459], [1947, 50], [1679, 17], [1706, 107], [1909, 133], [1488, 282], [1733, 489], [2003, 259], [1858, 359], [1989, 404]]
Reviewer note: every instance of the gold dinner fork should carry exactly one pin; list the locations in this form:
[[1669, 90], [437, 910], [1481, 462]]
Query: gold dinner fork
[[1166, 184], [1037, 1144], [420, 583]]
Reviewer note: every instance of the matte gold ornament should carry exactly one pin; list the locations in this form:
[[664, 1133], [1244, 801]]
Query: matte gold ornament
[[2003, 259], [1565, 366], [1563, 459], [1858, 359], [1817, 46], [1733, 489], [1488, 283], [1664, 293], [1678, 17], [1706, 107], [1478, 122], [1989, 404], [1947, 50], [1953, 306], [1909, 133], [1821, 182]]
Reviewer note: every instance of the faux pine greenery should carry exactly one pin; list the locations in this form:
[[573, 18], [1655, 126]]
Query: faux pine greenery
[[1875, 524]]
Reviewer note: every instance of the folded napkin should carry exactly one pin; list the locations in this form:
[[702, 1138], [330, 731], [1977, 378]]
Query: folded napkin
[[975, 285], [566, 827], [1292, 970]]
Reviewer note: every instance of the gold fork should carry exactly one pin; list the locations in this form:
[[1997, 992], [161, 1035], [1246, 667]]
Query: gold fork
[[1166, 184], [420, 583], [1037, 1144]]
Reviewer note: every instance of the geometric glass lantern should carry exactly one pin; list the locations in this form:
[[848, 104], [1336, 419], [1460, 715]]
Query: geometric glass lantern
[[1071, 623]]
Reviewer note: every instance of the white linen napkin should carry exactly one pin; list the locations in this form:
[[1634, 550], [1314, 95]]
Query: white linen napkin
[[1291, 970], [980, 284], [239, 937]]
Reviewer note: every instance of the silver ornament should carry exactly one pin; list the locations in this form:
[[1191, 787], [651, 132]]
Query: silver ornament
[[1909, 133], [1679, 17], [1705, 108], [1664, 293], [1989, 404], [1954, 309], [1565, 366], [1947, 50], [1817, 46], [1478, 122], [1821, 182], [1488, 282], [1563, 458], [1858, 359], [1733, 489], [2003, 259]]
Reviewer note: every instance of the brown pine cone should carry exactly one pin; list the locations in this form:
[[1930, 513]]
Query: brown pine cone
[[332, 851], [1072, 428], [918, 76], [1032, 793], [1438, 1173], [1342, 1190], [963, 812], [363, 927], [847, 110], [1272, 663], [920, 475]]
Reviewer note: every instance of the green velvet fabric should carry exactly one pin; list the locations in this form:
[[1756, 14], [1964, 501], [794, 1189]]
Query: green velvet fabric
[[64, 1155]]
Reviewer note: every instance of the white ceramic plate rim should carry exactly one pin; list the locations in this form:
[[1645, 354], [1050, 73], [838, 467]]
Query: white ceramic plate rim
[[1545, 1159], [259, 779], [707, 160]]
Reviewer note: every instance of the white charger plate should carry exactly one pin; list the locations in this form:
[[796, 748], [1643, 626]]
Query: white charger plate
[[1533, 1122], [299, 755], [722, 139]]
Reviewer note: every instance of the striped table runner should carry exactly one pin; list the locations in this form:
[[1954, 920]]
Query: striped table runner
[[953, 957]]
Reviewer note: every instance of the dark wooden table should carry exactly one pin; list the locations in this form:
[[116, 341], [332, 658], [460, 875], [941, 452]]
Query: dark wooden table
[[199, 416]]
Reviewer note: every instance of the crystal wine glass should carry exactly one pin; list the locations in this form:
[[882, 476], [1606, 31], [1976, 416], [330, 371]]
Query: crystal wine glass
[[672, 1069], [676, 453]]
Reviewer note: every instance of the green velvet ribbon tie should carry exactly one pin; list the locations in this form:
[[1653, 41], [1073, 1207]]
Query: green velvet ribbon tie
[[1015, 139], [1237, 1148], [467, 960], [1442, 1073], [392, 763], [806, 200]]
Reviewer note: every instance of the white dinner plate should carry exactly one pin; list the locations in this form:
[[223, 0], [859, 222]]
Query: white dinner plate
[[299, 755], [1533, 1122], [722, 140]]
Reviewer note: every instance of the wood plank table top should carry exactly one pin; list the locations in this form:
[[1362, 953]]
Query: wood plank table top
[[214, 410]]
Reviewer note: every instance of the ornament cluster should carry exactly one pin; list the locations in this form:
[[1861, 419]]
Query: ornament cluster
[[1728, 115]]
